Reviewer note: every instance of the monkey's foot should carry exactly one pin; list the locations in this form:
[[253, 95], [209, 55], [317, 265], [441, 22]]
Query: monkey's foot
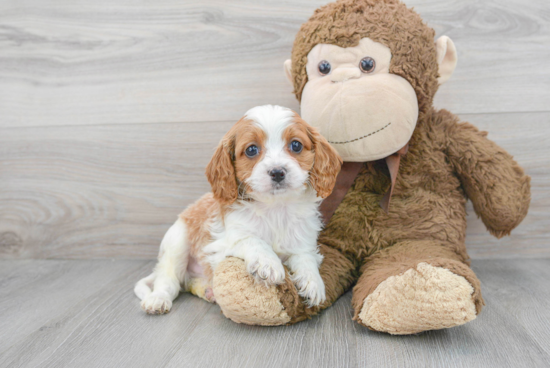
[[243, 300], [421, 299]]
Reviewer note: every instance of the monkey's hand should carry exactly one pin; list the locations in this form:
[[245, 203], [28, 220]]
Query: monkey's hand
[[493, 181]]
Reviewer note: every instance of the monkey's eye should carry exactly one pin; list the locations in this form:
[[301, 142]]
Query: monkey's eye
[[324, 67], [251, 151], [367, 64], [296, 146]]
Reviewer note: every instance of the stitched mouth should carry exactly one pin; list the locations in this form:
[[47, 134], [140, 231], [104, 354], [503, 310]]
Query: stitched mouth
[[363, 137]]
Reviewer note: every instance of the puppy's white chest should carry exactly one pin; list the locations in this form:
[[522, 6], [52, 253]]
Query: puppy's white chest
[[287, 229]]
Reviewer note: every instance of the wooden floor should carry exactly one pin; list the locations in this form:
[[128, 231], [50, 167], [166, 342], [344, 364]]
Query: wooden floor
[[68, 313]]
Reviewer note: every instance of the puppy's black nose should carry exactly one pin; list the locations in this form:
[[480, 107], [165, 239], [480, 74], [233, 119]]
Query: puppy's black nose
[[277, 175]]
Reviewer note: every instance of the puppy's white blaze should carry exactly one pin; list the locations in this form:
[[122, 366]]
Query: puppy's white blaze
[[273, 120]]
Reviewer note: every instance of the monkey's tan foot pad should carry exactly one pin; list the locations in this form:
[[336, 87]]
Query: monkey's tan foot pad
[[421, 299], [244, 301]]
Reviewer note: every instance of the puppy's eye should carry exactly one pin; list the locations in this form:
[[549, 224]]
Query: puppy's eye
[[252, 151], [324, 67], [367, 64], [296, 147]]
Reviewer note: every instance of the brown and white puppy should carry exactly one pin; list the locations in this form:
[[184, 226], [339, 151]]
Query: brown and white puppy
[[268, 176]]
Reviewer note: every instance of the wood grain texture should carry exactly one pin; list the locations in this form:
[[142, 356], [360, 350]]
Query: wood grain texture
[[118, 62], [113, 190], [110, 110], [54, 287], [100, 324]]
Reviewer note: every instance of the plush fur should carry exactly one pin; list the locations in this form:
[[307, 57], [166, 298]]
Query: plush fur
[[267, 220], [423, 235]]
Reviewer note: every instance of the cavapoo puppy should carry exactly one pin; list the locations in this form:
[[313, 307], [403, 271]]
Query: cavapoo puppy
[[268, 176]]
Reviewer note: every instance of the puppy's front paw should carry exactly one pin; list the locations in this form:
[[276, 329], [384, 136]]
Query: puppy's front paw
[[310, 287], [267, 269], [156, 303]]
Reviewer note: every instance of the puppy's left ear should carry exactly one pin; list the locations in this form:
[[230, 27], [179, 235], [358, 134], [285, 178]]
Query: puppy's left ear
[[326, 166], [220, 171]]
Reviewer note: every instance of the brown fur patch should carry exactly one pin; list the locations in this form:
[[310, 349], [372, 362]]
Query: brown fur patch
[[229, 166], [247, 135], [299, 132], [198, 218], [220, 171]]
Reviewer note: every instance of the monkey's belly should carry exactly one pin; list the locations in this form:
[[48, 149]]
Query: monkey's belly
[[360, 226]]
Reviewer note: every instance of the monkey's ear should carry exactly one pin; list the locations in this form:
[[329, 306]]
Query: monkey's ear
[[288, 71], [446, 58], [221, 173]]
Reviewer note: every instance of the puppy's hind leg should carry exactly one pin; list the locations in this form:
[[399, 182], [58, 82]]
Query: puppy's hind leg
[[169, 273], [144, 286]]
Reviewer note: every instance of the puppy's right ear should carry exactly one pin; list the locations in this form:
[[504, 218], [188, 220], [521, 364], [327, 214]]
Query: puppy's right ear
[[220, 171]]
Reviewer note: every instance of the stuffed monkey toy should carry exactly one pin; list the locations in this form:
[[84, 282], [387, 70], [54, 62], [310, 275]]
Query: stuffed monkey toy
[[366, 72]]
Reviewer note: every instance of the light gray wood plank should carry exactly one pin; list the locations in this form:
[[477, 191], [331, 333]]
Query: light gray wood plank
[[119, 184], [105, 62], [113, 190], [106, 327], [521, 290], [35, 291], [323, 341]]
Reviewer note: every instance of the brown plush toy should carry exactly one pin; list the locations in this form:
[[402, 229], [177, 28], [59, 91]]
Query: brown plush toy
[[366, 72]]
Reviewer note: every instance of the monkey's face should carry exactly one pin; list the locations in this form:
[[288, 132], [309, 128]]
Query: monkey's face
[[365, 112]]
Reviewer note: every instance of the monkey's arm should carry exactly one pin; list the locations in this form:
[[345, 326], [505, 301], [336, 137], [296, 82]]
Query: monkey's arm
[[492, 179]]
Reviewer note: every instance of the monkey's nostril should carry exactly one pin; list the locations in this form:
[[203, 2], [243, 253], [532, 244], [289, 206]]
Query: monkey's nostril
[[277, 175]]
